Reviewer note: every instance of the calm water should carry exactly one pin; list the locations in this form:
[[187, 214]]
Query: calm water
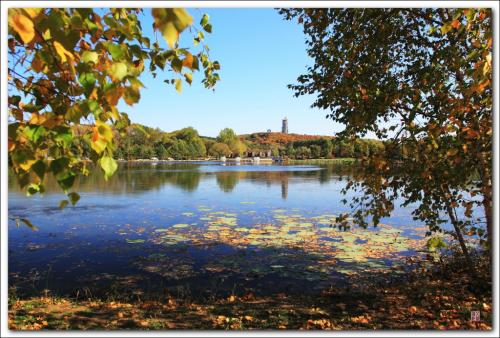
[[197, 229]]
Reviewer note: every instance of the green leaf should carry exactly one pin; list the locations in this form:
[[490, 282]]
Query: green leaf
[[109, 165], [204, 20], [34, 133], [208, 28], [196, 63], [32, 189], [59, 165], [66, 181], [178, 85], [115, 50], [104, 131], [63, 204], [118, 71], [189, 77], [177, 65], [73, 197], [131, 95], [39, 168], [89, 56], [87, 80]]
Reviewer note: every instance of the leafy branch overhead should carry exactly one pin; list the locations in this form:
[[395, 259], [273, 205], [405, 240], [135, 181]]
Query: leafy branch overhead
[[70, 66]]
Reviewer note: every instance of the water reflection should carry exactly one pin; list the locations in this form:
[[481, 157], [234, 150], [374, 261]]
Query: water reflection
[[134, 178]]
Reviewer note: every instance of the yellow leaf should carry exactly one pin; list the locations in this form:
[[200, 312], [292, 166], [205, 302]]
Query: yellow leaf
[[170, 33], [27, 165], [33, 12], [62, 52], [171, 22], [23, 26], [178, 85]]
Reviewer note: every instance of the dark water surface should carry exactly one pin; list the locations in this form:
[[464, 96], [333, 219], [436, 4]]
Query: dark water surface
[[198, 229]]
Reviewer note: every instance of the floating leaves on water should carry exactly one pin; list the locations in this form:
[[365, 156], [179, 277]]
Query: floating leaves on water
[[134, 241], [245, 202], [180, 225], [301, 237], [188, 214]]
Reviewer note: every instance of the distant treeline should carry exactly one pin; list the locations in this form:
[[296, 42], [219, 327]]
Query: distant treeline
[[142, 142]]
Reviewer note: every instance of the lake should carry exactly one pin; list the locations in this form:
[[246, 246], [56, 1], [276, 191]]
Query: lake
[[199, 229]]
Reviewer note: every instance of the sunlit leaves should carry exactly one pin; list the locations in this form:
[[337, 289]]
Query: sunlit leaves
[[89, 56], [72, 69], [23, 26], [101, 137], [62, 52], [171, 22], [178, 85], [118, 71], [131, 95], [109, 165]]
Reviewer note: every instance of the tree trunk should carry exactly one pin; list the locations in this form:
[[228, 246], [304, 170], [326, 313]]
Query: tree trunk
[[460, 238], [485, 172]]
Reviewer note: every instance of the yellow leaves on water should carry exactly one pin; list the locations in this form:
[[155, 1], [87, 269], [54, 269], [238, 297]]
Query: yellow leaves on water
[[23, 26]]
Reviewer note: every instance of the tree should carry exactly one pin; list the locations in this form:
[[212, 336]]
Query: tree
[[326, 148], [219, 149], [227, 136], [73, 65], [418, 78]]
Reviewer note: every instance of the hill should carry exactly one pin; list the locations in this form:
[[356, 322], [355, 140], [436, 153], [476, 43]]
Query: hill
[[280, 138]]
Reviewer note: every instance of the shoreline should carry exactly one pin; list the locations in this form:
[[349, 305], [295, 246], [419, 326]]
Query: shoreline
[[251, 160]]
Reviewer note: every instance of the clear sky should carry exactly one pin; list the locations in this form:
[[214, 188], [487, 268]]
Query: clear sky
[[260, 54]]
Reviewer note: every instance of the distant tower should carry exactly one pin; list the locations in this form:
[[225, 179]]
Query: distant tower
[[284, 126]]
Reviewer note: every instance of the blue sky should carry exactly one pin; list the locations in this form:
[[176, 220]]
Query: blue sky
[[260, 54]]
